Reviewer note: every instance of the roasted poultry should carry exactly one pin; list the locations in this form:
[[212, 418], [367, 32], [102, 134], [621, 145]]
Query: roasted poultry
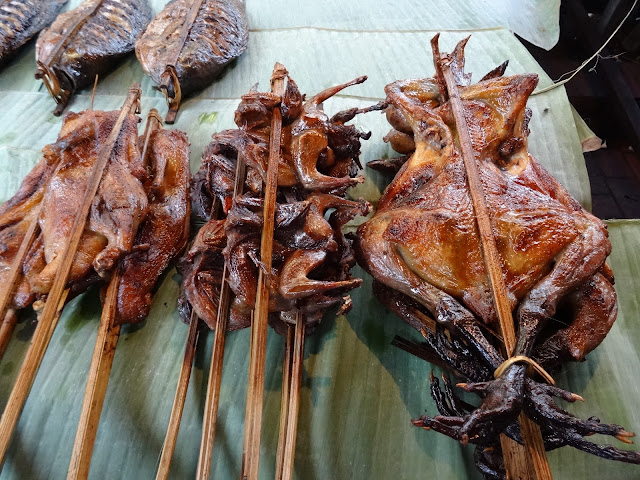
[[312, 257], [165, 231], [21, 20], [140, 215], [423, 249], [189, 44], [87, 41]]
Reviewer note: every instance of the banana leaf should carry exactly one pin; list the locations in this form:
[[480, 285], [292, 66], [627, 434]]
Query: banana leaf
[[358, 391]]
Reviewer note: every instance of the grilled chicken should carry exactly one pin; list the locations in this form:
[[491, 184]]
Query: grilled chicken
[[422, 247], [87, 41], [312, 258], [21, 20], [189, 43]]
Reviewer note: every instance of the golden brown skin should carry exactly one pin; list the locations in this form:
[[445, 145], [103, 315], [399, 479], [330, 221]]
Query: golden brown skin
[[116, 211], [423, 240], [423, 249], [165, 231]]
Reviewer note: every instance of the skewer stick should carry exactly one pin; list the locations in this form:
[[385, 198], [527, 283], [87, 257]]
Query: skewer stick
[[55, 299], [9, 285], [209, 420], [285, 472], [101, 363], [255, 391], [171, 438], [6, 329], [170, 81], [284, 403], [530, 461]]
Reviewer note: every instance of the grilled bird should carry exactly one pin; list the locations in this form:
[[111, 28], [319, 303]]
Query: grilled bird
[[312, 257], [423, 249]]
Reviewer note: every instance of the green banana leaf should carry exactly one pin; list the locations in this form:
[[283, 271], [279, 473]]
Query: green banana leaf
[[359, 392]]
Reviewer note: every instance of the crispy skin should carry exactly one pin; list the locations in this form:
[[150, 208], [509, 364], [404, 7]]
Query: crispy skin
[[218, 36], [165, 231], [117, 209], [21, 20], [424, 251], [312, 258], [425, 217]]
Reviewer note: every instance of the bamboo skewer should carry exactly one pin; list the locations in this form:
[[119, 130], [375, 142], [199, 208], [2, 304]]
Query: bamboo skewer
[[287, 442], [8, 288], [170, 74], [255, 390], [171, 438], [6, 329], [101, 363], [57, 294], [210, 417], [528, 462], [284, 403]]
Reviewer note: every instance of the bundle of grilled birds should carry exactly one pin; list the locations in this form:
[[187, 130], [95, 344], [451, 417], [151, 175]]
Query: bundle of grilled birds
[[312, 258], [21, 20], [423, 249], [87, 41], [189, 43], [139, 218]]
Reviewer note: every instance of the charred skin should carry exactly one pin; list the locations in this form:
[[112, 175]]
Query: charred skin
[[312, 258], [218, 36], [423, 249], [87, 41], [21, 20]]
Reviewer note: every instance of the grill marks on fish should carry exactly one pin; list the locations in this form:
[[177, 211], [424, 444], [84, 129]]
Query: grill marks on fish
[[86, 42], [189, 43], [20, 20]]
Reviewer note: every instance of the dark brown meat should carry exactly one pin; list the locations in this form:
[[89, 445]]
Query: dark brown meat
[[423, 244], [87, 41], [182, 56], [164, 233], [21, 20], [312, 259]]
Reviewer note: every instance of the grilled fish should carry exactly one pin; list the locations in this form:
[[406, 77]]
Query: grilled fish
[[189, 43], [20, 20], [85, 42]]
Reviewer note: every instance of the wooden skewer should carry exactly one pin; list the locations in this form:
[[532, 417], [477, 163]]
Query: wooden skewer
[[255, 391], [170, 74], [171, 438], [210, 417], [284, 403], [55, 299], [101, 363], [6, 329], [530, 461], [286, 453]]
